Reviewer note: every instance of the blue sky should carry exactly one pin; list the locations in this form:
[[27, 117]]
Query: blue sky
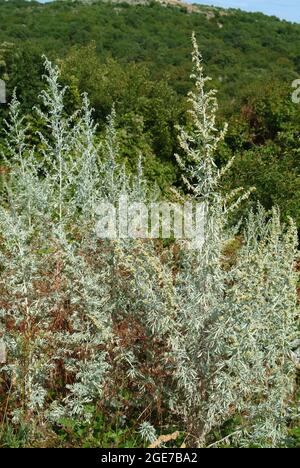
[[284, 9]]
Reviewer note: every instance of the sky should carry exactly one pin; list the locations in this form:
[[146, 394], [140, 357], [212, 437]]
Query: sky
[[284, 9]]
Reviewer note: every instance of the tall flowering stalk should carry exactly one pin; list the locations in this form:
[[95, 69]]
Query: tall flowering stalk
[[55, 321], [235, 329]]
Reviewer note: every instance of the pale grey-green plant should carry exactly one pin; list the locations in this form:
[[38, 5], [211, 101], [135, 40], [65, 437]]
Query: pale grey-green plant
[[71, 304], [235, 329], [62, 288], [147, 432], [54, 299]]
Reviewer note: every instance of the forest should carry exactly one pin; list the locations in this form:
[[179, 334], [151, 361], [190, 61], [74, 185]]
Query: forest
[[130, 341]]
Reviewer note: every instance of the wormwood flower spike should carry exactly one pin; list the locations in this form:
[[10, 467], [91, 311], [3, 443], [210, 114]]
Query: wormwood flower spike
[[199, 145]]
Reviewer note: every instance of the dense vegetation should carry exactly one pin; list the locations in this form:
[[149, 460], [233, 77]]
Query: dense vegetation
[[113, 343], [138, 57]]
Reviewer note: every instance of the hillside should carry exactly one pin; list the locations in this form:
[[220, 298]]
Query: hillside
[[236, 46]]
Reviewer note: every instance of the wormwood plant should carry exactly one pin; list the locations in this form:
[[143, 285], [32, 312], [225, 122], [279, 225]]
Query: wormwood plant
[[72, 306], [235, 330], [54, 328], [87, 321]]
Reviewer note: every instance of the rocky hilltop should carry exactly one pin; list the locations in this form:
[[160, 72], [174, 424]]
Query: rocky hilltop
[[189, 7]]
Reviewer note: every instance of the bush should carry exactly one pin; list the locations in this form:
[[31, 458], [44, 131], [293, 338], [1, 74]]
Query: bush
[[140, 331]]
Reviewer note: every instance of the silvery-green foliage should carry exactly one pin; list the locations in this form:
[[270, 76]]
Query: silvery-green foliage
[[200, 285], [55, 311], [148, 432], [81, 344], [113, 179], [79, 315], [257, 330], [62, 289], [234, 330], [21, 307]]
